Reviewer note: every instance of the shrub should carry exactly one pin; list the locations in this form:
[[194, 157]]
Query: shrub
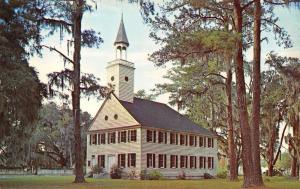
[[115, 172], [222, 174], [97, 169], [181, 175], [132, 174], [144, 175], [208, 176], [155, 175]]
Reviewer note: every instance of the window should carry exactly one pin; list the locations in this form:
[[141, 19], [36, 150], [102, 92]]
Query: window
[[121, 160], [90, 139], [89, 163], [106, 118], [202, 142], [122, 136], [102, 138], [193, 162], [126, 78], [183, 139], [210, 142], [151, 136], [98, 141], [151, 160], [183, 161], [210, 162], [132, 135], [101, 160], [131, 160], [116, 116], [173, 138], [112, 78], [174, 161], [202, 162], [192, 140], [94, 138], [162, 161], [112, 137], [161, 136]]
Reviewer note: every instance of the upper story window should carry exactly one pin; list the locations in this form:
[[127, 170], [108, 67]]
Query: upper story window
[[151, 136], [174, 161], [210, 142], [106, 118], [173, 138], [122, 136], [94, 139], [102, 138], [192, 140], [98, 141], [131, 160], [112, 137], [116, 116], [112, 78], [162, 160], [202, 142], [162, 137], [183, 139], [126, 78], [132, 136]]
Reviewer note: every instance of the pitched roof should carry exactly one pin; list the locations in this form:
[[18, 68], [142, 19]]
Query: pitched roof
[[158, 115], [121, 36]]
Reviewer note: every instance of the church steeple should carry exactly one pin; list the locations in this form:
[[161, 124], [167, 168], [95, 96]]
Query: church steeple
[[121, 43], [120, 72]]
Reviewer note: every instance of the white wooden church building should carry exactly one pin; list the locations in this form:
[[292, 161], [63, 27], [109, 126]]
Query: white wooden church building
[[142, 134]]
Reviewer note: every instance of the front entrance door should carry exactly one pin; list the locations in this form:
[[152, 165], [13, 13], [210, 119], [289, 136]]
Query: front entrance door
[[110, 161]]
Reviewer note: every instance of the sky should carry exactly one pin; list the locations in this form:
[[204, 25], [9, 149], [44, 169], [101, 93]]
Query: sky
[[106, 19]]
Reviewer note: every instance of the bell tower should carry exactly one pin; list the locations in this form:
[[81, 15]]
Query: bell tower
[[120, 72]]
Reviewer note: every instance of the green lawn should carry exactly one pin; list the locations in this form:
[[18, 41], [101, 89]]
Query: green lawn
[[65, 182]]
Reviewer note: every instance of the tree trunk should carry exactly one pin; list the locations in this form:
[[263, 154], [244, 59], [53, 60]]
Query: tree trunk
[[255, 132], [231, 143], [241, 99], [77, 18]]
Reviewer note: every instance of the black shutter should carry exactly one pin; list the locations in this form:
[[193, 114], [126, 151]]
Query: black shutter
[[154, 136], [153, 159], [165, 161], [176, 138], [166, 137]]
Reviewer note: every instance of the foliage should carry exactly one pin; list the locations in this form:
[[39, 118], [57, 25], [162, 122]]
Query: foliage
[[155, 175], [144, 175], [284, 163], [142, 94], [222, 173], [132, 174], [207, 176], [115, 172], [97, 169]]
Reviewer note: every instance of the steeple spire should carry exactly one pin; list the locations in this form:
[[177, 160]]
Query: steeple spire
[[121, 36]]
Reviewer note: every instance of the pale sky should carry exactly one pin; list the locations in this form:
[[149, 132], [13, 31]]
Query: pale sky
[[106, 20]]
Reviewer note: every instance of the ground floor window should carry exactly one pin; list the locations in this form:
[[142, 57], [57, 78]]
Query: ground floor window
[[210, 161], [174, 161], [183, 161], [150, 160], [131, 160], [121, 160], [193, 162], [162, 160], [101, 160], [202, 162]]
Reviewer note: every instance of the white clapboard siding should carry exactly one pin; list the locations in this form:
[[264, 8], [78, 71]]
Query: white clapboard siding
[[110, 107], [171, 149], [115, 149], [119, 69]]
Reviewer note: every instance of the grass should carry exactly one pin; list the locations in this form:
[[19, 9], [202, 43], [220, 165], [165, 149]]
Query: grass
[[65, 182]]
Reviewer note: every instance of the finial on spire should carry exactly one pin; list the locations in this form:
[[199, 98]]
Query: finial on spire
[[121, 36]]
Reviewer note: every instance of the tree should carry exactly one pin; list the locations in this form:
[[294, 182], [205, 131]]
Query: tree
[[21, 91], [143, 95]]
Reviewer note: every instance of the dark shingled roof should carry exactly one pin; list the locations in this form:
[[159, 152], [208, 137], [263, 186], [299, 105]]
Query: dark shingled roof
[[158, 115], [121, 36]]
